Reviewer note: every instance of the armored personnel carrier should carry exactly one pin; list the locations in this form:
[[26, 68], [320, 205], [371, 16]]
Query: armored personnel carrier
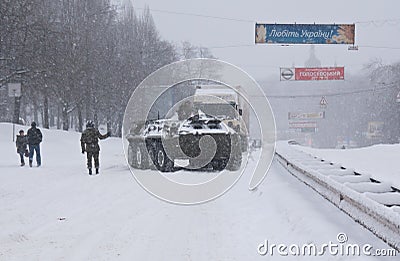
[[200, 142]]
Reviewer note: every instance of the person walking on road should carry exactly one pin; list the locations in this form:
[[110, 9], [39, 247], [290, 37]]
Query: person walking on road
[[90, 144], [22, 146], [34, 139]]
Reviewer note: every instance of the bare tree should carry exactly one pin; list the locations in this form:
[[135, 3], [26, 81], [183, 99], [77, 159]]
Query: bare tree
[[79, 60]]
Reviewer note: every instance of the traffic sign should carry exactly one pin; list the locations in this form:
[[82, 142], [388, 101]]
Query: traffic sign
[[323, 103], [311, 74], [287, 74]]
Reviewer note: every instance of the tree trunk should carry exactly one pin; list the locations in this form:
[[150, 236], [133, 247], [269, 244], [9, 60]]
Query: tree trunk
[[35, 110], [80, 119], [109, 120], [58, 117], [46, 112], [71, 121], [88, 115], [120, 120], [95, 115], [65, 119], [52, 116]]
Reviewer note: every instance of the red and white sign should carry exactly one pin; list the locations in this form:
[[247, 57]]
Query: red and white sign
[[312, 74], [316, 74]]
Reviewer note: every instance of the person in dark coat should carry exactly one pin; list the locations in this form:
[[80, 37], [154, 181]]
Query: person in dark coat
[[90, 144], [22, 146], [34, 139]]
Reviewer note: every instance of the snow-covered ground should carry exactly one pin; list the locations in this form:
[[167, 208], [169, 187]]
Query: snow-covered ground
[[380, 161], [58, 212]]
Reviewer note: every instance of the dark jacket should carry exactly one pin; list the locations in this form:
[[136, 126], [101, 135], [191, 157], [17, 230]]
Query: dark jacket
[[34, 136], [21, 143], [90, 140]]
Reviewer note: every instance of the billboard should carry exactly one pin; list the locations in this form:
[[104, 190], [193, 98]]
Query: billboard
[[304, 33], [312, 74], [302, 124], [375, 129], [305, 115]]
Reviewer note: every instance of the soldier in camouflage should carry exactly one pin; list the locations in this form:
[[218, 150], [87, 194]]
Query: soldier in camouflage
[[90, 144]]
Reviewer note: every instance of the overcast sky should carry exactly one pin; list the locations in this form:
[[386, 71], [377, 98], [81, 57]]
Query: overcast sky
[[377, 25]]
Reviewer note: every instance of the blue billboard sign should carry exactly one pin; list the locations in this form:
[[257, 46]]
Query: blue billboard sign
[[304, 33]]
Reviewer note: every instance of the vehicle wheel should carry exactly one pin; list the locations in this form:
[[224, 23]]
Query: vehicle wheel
[[151, 157], [142, 159], [219, 164], [234, 163], [152, 160], [163, 163], [243, 142], [131, 156], [235, 160]]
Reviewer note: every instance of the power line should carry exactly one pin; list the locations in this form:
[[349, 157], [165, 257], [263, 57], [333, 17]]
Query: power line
[[296, 45], [373, 22], [230, 46], [380, 47], [389, 86], [377, 22], [249, 45], [199, 15], [380, 22]]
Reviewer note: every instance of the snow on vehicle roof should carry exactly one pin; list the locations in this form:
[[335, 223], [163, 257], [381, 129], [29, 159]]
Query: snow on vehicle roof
[[215, 96], [225, 91], [200, 123]]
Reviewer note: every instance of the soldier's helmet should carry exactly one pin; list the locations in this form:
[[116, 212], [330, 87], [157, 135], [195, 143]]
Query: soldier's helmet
[[89, 124]]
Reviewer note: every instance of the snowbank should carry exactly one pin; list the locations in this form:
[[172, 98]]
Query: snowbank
[[382, 161], [333, 181]]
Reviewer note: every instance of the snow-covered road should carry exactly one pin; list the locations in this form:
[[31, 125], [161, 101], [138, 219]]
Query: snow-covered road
[[58, 212]]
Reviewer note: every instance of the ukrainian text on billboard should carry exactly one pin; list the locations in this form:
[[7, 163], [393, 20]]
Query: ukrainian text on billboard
[[312, 74], [305, 33], [315, 74]]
